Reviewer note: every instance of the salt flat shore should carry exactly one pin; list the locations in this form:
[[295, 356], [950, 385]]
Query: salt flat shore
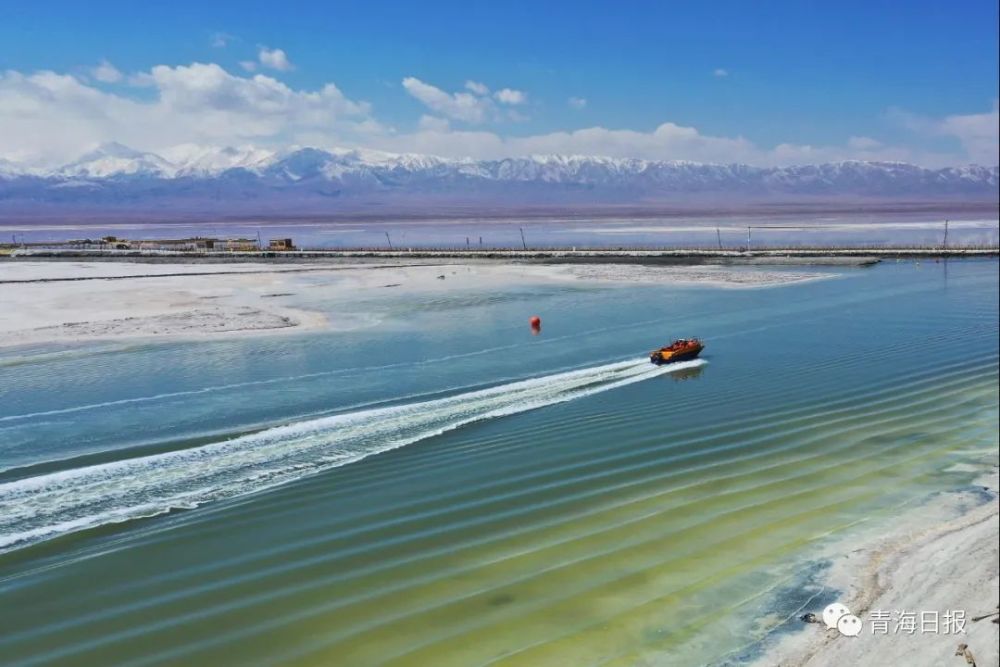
[[76, 301], [936, 559], [791, 255]]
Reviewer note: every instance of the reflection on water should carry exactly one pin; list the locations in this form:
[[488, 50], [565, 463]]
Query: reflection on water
[[687, 374]]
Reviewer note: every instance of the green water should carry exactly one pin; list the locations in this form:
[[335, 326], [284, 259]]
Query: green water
[[443, 488]]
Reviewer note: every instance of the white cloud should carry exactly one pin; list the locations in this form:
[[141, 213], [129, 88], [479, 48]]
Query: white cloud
[[472, 107], [510, 96], [666, 142], [977, 133], [863, 143], [446, 143], [274, 59], [669, 141], [48, 118], [220, 40], [248, 65], [457, 106], [434, 124], [477, 88], [105, 72], [719, 72], [577, 102]]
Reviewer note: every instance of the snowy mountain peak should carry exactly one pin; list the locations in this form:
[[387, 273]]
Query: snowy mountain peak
[[112, 149], [195, 160], [251, 177], [114, 159]]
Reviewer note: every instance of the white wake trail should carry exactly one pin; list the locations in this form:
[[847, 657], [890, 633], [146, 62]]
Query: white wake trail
[[48, 505]]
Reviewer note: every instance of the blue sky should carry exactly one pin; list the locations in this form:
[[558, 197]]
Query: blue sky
[[918, 80]]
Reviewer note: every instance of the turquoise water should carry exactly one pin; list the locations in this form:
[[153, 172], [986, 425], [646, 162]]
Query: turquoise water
[[445, 488]]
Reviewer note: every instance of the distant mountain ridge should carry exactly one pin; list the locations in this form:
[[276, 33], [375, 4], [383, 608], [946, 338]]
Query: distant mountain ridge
[[246, 178]]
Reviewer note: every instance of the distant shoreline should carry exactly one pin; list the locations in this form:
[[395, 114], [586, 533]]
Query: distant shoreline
[[837, 256]]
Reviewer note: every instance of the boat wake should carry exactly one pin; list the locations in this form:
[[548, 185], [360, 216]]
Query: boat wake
[[49, 505]]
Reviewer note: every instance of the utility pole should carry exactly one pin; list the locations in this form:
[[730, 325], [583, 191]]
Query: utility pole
[[260, 244], [388, 240], [718, 235], [748, 237], [946, 234], [523, 242]]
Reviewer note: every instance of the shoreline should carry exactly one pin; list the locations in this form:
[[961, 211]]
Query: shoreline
[[837, 255], [82, 301], [937, 557], [68, 299]]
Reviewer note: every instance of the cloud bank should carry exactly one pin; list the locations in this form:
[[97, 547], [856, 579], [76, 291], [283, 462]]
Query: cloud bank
[[48, 117]]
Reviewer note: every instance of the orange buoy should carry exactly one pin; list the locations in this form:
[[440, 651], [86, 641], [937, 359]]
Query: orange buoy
[[536, 324]]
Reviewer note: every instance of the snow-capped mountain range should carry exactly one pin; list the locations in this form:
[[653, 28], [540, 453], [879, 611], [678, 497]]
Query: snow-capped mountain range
[[190, 175]]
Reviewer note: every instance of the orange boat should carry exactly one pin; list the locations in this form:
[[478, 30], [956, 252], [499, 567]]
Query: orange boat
[[679, 350]]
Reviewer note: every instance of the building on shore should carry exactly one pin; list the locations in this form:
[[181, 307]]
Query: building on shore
[[197, 244], [191, 244], [238, 245], [280, 244]]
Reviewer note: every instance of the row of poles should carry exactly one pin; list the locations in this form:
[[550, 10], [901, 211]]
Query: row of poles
[[468, 241], [524, 243], [718, 235], [944, 243]]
